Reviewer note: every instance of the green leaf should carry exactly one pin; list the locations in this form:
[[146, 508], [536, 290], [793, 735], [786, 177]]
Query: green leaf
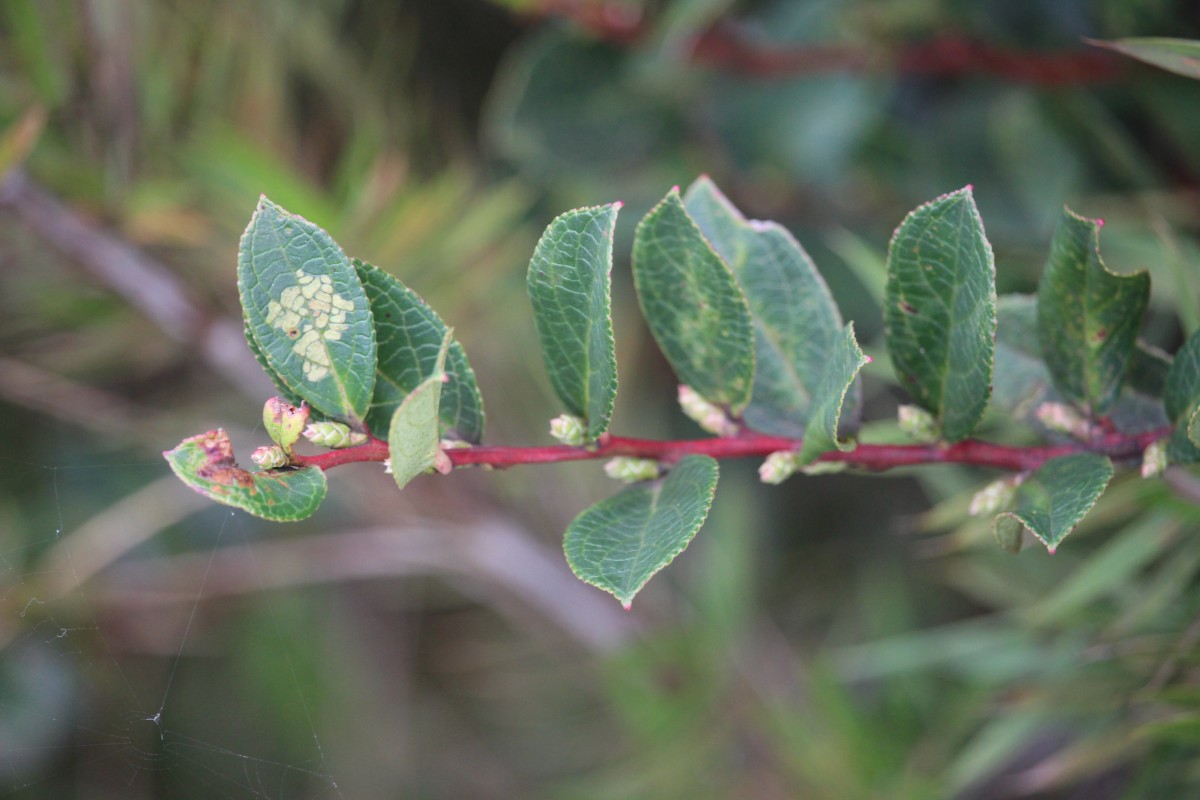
[[1088, 317], [1021, 378], [1023, 381], [414, 444], [206, 464], [1181, 397], [619, 543], [1181, 390], [1181, 56], [286, 391], [841, 367], [796, 322], [307, 312], [569, 287], [940, 310], [697, 313], [409, 336], [1052, 501]]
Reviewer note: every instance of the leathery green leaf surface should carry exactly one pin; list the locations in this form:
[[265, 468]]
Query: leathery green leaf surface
[[796, 321], [414, 443], [618, 544], [1181, 397], [569, 287], [206, 463], [1088, 317], [1023, 381], [842, 365], [1181, 56], [940, 310], [409, 336], [307, 312], [1052, 501], [693, 305]]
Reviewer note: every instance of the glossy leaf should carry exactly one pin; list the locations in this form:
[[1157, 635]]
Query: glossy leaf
[[1052, 501], [414, 443], [1181, 56], [1088, 317], [206, 463], [409, 336], [307, 312], [1023, 381], [796, 322], [1181, 398], [841, 367], [940, 310], [619, 543], [569, 287], [693, 305]]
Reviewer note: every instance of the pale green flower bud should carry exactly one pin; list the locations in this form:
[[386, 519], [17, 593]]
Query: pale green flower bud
[[284, 422], [334, 435], [996, 496], [269, 456], [917, 423], [632, 470], [1154, 459], [778, 467], [708, 416], [569, 429], [1064, 419]]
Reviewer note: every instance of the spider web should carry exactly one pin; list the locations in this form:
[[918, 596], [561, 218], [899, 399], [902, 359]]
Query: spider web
[[85, 711]]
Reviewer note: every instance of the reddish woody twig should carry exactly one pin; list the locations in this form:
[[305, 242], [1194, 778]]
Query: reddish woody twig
[[725, 46], [865, 456]]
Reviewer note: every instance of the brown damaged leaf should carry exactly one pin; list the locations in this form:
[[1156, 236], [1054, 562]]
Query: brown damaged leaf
[[207, 464]]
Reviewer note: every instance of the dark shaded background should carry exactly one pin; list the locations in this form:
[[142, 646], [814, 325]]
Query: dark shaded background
[[837, 637]]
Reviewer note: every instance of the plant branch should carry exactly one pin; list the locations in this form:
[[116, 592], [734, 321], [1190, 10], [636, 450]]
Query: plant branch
[[865, 456], [725, 46]]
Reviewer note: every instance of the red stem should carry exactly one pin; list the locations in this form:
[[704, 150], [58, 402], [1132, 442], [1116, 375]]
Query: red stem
[[724, 46], [865, 456]]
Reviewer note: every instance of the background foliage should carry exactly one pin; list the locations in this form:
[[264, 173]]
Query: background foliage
[[841, 636]]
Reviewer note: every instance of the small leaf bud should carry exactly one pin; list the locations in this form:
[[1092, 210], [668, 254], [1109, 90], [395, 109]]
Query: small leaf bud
[[778, 467], [569, 429], [996, 496], [334, 435], [1154, 459], [917, 423], [632, 470], [284, 421], [269, 456], [387, 466], [1009, 531], [708, 416], [1064, 419]]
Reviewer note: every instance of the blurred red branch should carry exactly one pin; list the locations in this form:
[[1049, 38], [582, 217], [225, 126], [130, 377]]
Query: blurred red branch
[[725, 46], [866, 456]]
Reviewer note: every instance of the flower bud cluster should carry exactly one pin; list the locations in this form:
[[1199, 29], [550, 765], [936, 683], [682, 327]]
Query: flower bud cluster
[[632, 470], [917, 423], [334, 435], [708, 416], [569, 429]]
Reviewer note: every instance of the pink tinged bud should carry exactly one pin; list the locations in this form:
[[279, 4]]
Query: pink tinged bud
[[284, 422], [269, 457]]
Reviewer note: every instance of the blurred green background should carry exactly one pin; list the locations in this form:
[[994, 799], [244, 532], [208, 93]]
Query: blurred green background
[[837, 637]]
